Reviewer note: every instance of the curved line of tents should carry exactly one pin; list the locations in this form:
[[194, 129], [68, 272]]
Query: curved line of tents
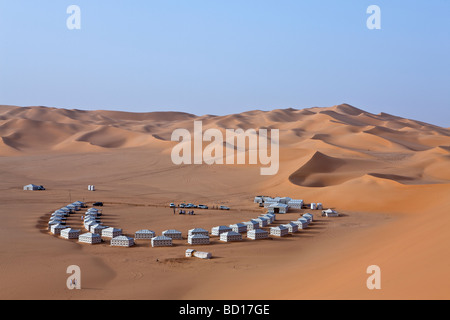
[[197, 236]]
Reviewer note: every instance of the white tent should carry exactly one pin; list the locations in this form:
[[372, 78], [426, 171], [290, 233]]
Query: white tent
[[202, 255], [90, 218], [52, 223], [198, 254], [251, 225], [72, 207], [174, 234], [69, 233], [88, 224], [262, 221], [58, 216], [97, 228], [122, 241], [161, 241], [111, 232], [258, 199], [65, 213], [295, 203], [81, 203], [55, 221], [230, 236], [301, 224], [56, 229], [279, 231], [238, 227], [189, 253], [216, 231], [198, 239], [198, 231], [76, 205], [309, 215], [257, 234], [269, 216], [94, 210], [91, 222], [144, 234], [273, 215], [330, 213], [292, 227], [91, 238], [278, 207], [69, 210]]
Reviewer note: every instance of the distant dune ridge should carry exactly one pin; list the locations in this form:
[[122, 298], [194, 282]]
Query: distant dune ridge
[[334, 144]]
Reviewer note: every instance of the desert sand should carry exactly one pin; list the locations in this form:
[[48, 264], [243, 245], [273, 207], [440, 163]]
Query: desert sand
[[388, 176]]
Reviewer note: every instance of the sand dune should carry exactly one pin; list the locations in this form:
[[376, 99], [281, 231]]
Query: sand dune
[[389, 176]]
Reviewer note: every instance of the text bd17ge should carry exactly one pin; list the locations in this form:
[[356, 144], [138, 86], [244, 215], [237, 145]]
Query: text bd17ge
[[246, 309]]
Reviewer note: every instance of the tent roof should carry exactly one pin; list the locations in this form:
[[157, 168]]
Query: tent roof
[[70, 230], [122, 238], [162, 238], [222, 228], [145, 231], [90, 235], [258, 231], [198, 230], [112, 229], [171, 231], [281, 227], [202, 236]]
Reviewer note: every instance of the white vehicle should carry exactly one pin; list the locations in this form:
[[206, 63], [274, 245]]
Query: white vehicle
[[224, 208], [202, 206]]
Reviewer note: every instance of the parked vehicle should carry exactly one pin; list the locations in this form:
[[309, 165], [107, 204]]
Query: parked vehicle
[[98, 204], [182, 205], [202, 206], [172, 205], [224, 208]]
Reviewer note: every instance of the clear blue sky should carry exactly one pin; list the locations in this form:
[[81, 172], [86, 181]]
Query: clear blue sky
[[228, 56]]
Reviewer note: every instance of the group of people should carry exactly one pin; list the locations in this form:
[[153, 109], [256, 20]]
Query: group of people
[[183, 211]]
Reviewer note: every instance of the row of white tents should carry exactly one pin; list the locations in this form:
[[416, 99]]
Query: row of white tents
[[197, 236], [57, 225]]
